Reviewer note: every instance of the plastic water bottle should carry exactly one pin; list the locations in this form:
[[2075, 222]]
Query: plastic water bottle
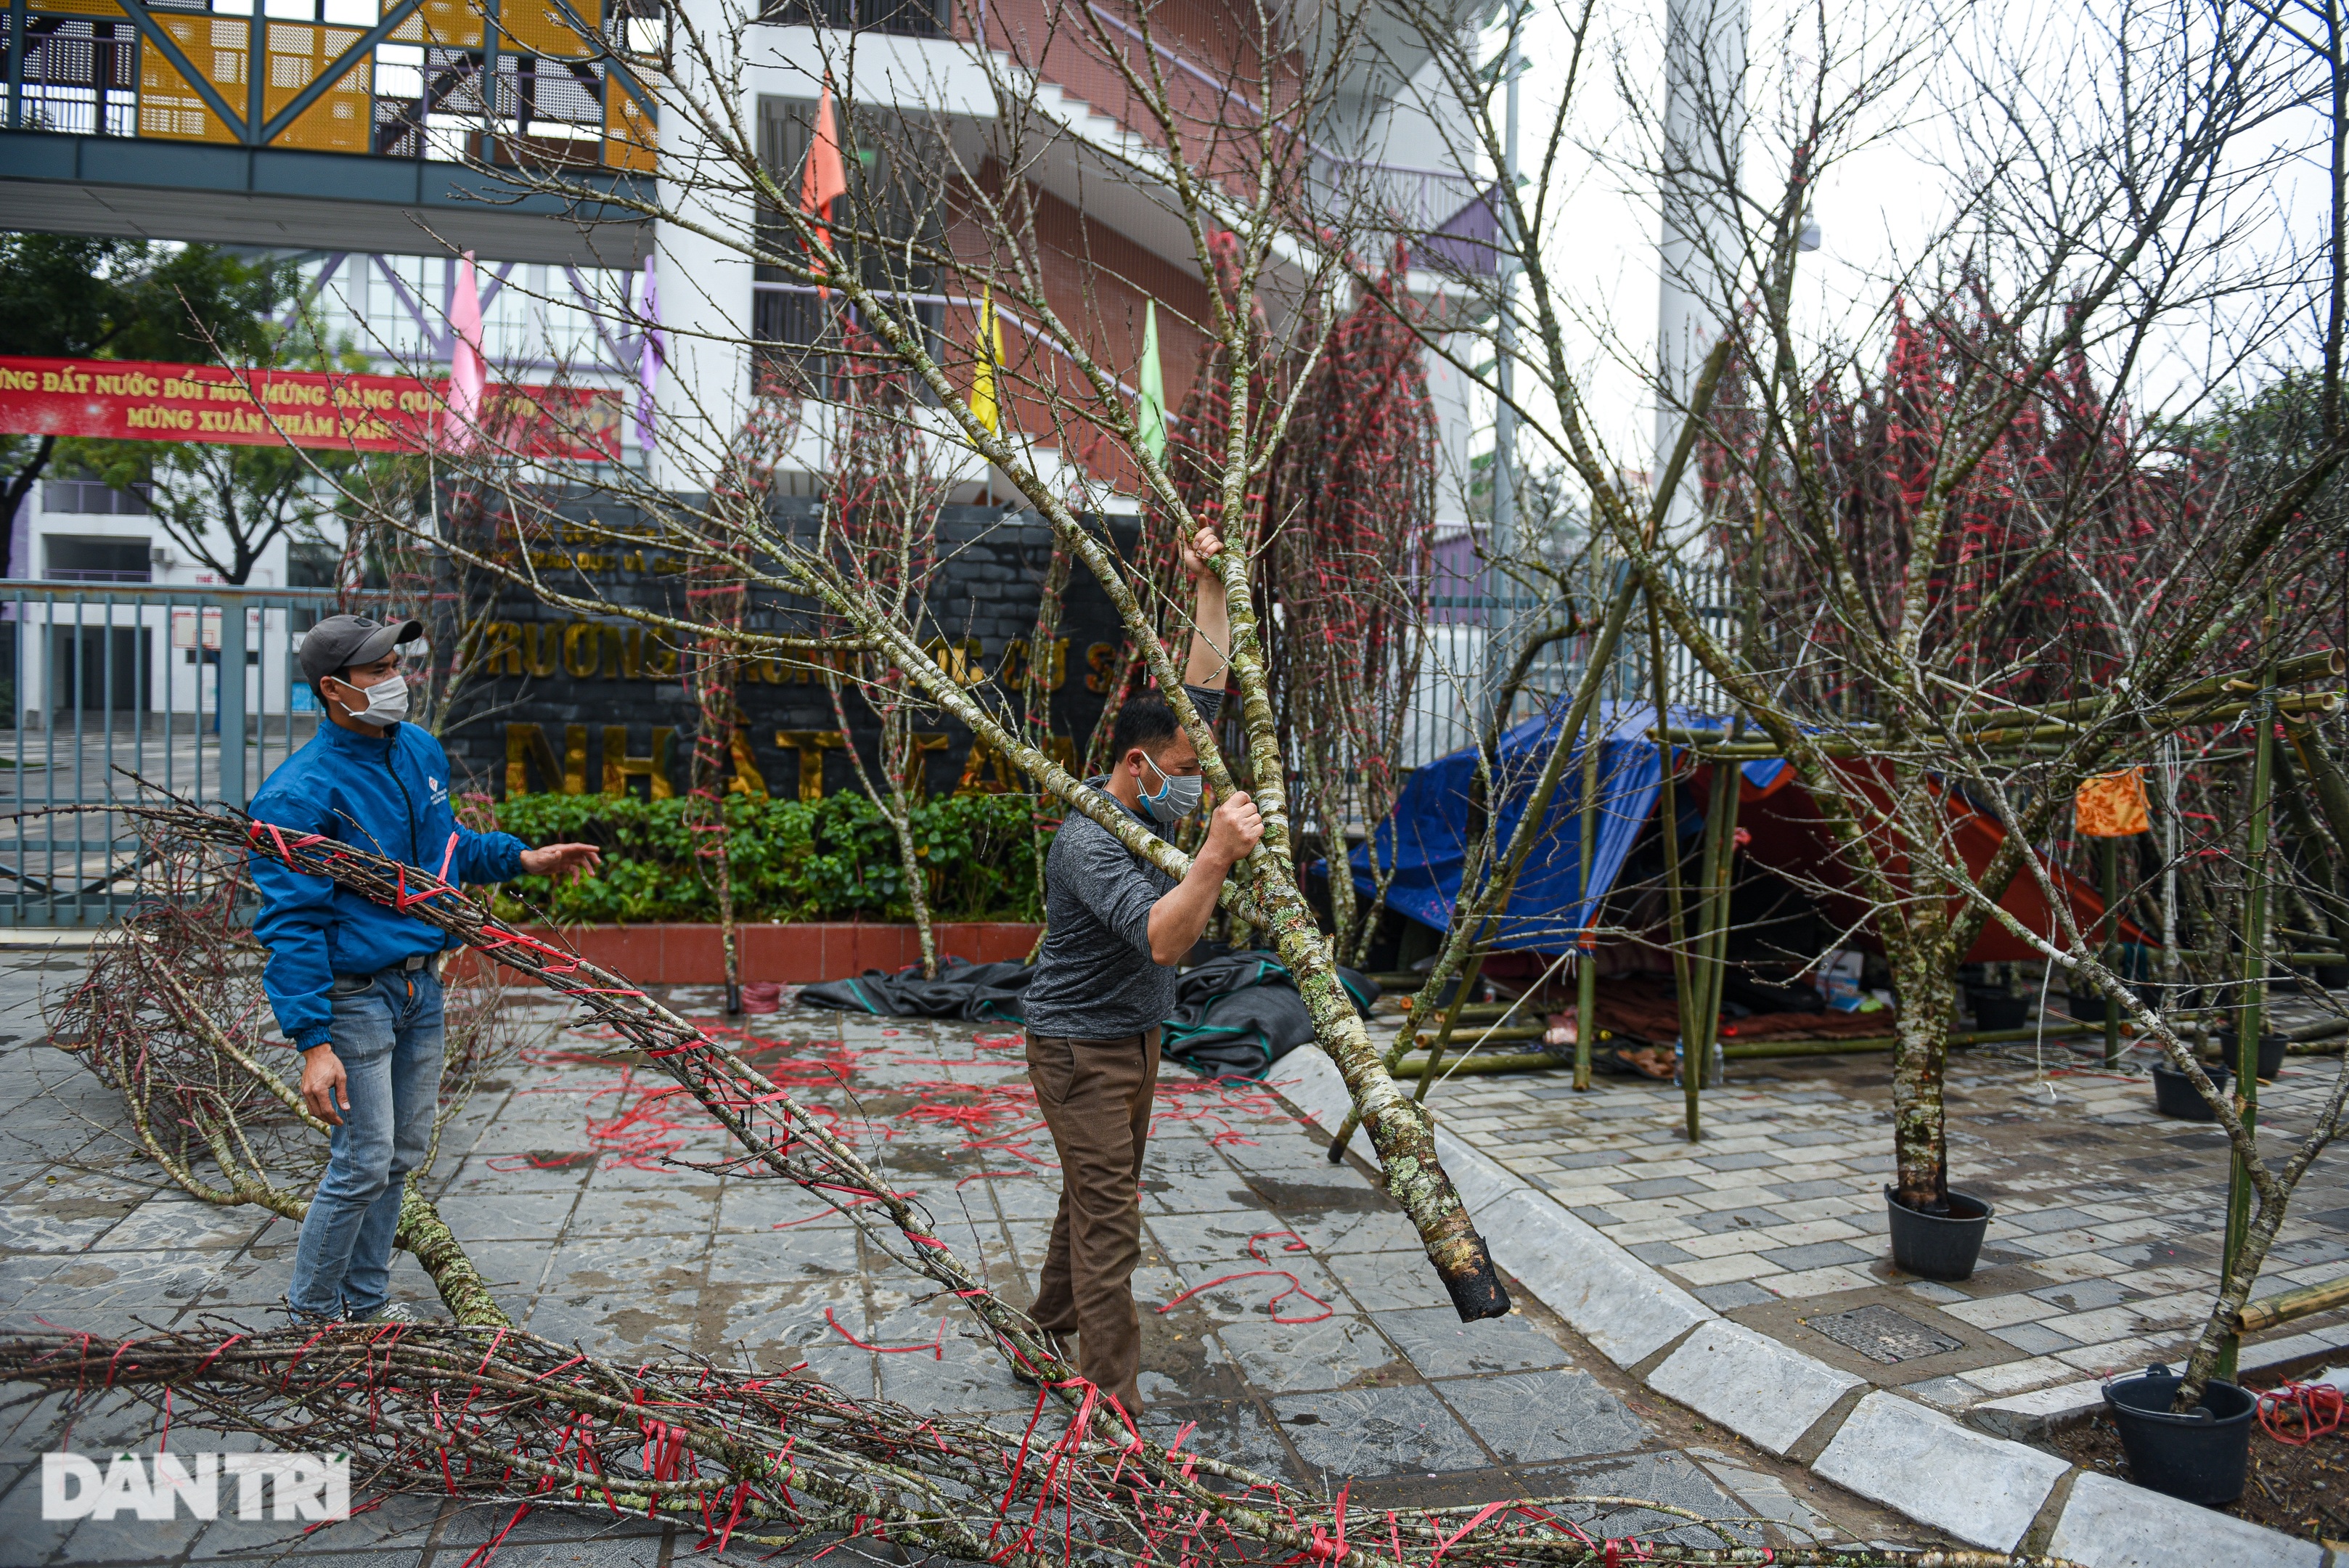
[[1716, 1066]]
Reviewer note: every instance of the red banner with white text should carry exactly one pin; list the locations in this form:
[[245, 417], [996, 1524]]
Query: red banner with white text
[[122, 400]]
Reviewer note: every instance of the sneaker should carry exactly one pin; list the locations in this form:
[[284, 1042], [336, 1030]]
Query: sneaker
[[394, 1312]]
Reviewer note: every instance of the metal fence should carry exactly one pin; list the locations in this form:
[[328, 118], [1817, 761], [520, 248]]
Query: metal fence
[[195, 690]]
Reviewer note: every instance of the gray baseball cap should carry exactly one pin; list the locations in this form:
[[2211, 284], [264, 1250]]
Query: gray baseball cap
[[340, 641]]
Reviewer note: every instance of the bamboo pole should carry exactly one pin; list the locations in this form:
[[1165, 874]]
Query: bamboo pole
[[1756, 1051], [1715, 942], [2292, 1305], [1669, 828], [1708, 744], [1468, 974], [1586, 958], [2290, 672], [2111, 856]]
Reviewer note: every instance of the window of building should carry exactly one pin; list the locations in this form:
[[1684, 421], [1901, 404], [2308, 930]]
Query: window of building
[[80, 77], [73, 559], [920, 18], [91, 498], [312, 565], [898, 174]]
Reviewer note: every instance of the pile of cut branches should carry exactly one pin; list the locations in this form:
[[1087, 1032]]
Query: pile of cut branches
[[170, 1015]]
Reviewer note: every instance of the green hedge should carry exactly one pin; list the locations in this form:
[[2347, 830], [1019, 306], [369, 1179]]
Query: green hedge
[[834, 859]]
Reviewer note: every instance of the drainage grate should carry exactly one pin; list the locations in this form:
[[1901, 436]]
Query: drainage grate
[[1882, 1335]]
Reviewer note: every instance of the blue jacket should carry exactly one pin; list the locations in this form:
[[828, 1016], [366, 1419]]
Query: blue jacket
[[390, 796]]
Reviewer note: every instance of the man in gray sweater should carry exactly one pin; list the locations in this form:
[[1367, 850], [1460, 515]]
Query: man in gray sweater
[[1116, 926]]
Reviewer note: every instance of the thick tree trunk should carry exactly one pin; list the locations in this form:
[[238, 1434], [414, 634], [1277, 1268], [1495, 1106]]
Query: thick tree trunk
[[462, 1288], [1921, 980]]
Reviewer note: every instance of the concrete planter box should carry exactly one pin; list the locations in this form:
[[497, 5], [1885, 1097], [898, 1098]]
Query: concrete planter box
[[684, 954]]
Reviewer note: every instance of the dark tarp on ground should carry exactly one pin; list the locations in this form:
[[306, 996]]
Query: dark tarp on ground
[[1546, 909], [1236, 1015], [963, 990], [1233, 1016]]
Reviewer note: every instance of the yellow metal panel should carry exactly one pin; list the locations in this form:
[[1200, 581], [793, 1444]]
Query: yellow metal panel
[[448, 24], [168, 106], [629, 136], [541, 27], [300, 53], [79, 8]]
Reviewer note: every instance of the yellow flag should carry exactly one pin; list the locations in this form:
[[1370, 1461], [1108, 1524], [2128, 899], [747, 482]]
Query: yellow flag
[[984, 406]]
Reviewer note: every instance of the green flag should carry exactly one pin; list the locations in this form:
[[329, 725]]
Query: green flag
[[1149, 414]]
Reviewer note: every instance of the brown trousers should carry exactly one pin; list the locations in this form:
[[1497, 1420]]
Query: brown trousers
[[1096, 1097]]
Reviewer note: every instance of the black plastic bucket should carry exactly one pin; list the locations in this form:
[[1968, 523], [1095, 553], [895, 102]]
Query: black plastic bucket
[[1939, 1246], [2085, 1006], [2198, 1458], [1996, 1009], [2174, 1094], [2271, 1052]]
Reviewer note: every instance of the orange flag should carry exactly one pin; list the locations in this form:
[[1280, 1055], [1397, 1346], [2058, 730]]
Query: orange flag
[[2112, 805], [825, 178]]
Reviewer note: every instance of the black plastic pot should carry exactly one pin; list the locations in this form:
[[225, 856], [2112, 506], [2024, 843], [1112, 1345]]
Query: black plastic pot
[[2198, 1458], [1939, 1246], [2174, 1094], [1997, 1009], [2271, 1052]]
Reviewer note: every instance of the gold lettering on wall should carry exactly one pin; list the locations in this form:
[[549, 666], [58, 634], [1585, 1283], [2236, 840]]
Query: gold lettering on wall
[[579, 650], [619, 767], [543, 640], [1015, 671], [499, 650], [810, 744], [958, 659], [1102, 661], [531, 746], [747, 780], [917, 769]]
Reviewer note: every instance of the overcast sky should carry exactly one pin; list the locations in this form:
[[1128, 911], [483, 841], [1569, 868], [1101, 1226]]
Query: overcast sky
[[1884, 203]]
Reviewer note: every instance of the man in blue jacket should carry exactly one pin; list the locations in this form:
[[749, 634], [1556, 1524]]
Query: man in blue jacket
[[354, 984]]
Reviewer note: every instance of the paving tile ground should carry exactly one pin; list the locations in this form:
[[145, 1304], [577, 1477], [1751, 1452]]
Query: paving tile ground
[[2103, 1256], [1302, 1331]]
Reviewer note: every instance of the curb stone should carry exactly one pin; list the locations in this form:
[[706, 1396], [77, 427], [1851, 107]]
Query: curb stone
[[1927, 1465], [1750, 1384], [1983, 1489], [2109, 1523], [2046, 1411]]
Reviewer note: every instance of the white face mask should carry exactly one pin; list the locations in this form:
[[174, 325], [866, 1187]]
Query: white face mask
[[1177, 795], [386, 701]]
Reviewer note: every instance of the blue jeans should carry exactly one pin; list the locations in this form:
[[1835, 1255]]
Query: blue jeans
[[389, 1038]]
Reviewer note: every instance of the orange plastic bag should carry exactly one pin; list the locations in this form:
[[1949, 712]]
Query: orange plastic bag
[[2112, 805]]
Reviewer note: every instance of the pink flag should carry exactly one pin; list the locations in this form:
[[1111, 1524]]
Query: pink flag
[[468, 372]]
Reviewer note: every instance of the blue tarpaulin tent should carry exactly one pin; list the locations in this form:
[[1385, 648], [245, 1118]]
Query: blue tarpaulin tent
[[1426, 839]]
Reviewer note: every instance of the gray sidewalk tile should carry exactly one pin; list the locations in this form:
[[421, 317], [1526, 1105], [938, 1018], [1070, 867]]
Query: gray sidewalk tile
[[1373, 1432], [1334, 1352], [1440, 1345], [1536, 1417]]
